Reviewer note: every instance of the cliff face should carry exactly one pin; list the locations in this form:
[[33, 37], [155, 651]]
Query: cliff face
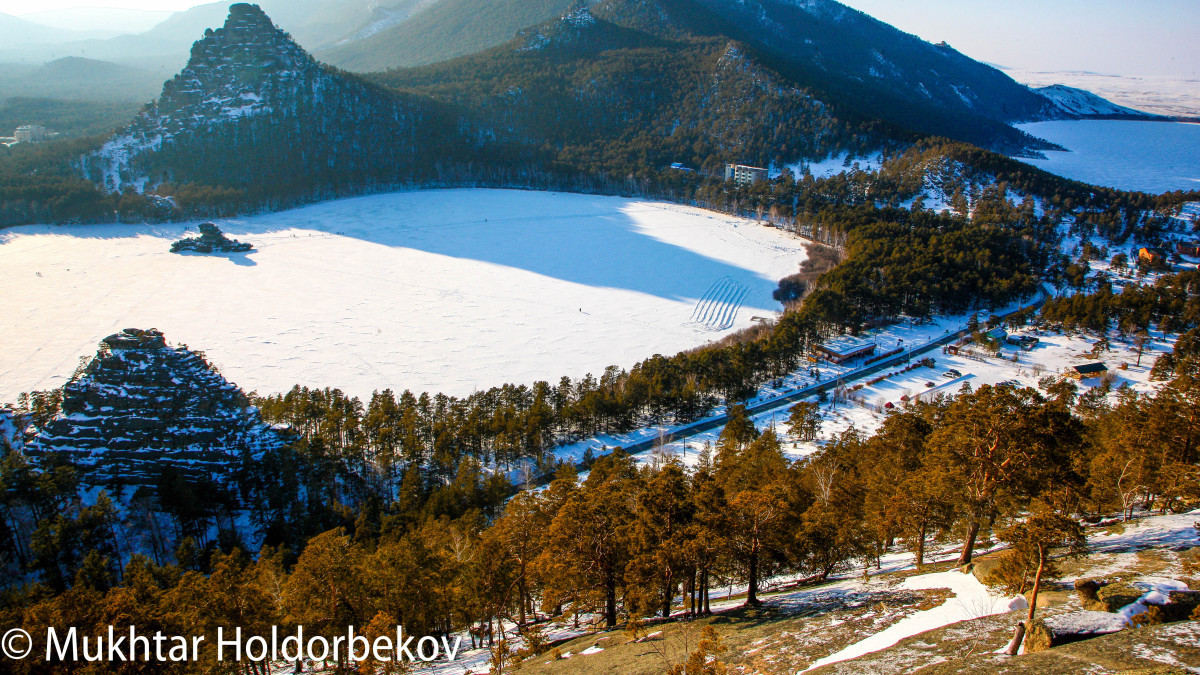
[[141, 405]]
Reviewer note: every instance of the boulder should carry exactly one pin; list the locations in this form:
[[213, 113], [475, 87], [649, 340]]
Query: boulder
[[1063, 629], [1113, 597]]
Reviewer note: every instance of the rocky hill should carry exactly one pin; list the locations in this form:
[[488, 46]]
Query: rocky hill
[[252, 110], [142, 405]]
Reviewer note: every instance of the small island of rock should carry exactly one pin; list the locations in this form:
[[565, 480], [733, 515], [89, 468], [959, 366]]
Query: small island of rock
[[210, 240]]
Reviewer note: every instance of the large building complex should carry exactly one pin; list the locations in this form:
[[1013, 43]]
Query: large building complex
[[741, 174], [30, 133]]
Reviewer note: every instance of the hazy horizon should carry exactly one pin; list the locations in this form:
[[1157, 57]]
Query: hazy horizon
[[1153, 38]]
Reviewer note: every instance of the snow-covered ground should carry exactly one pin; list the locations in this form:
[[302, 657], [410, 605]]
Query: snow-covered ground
[[1172, 97], [1146, 156], [972, 600], [832, 166], [450, 290], [969, 600]]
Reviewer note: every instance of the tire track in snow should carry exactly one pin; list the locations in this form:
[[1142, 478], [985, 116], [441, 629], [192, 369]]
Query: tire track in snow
[[717, 309]]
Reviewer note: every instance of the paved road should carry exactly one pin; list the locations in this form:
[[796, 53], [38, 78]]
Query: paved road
[[776, 403]]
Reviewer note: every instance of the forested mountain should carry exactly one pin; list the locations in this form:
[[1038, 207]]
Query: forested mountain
[[866, 68], [448, 29], [607, 98], [254, 111]]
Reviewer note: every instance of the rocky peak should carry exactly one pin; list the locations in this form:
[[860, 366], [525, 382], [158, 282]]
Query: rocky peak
[[141, 405], [239, 69], [245, 70]]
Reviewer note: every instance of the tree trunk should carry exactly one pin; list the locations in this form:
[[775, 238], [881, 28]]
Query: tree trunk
[[704, 590], [752, 591], [1018, 637], [668, 596], [610, 599], [968, 549], [521, 600], [921, 547], [1037, 582]]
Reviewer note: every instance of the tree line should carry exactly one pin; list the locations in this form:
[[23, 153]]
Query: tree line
[[632, 541]]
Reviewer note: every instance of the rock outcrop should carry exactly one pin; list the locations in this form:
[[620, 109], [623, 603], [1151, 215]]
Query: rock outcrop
[[211, 240], [142, 405]]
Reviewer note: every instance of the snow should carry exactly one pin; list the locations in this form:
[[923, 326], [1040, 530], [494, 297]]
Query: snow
[[1174, 531], [448, 290], [971, 600], [1158, 592], [1086, 622], [832, 166], [1081, 102], [591, 650], [1157, 95], [1130, 155]]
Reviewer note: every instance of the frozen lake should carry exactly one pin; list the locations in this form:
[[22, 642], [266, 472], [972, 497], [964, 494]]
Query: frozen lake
[[1145, 156], [448, 290]]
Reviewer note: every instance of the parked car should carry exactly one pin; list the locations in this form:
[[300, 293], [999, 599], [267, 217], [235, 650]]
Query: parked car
[[952, 373]]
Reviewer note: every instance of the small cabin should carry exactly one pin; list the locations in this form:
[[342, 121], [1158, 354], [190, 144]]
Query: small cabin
[[1188, 248], [1087, 370], [996, 334], [1152, 255]]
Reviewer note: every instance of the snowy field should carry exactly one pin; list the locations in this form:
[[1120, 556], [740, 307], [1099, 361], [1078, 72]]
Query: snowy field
[[451, 290], [1150, 157]]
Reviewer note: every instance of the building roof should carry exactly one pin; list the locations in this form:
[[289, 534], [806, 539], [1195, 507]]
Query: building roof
[[846, 344], [1089, 368]]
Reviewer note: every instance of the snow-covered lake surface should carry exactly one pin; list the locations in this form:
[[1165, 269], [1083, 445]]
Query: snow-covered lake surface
[[1146, 156], [449, 290]]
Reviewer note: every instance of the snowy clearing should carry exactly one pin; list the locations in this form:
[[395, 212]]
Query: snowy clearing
[[445, 290], [1150, 157]]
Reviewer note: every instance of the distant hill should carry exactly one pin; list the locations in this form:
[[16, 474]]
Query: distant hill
[[111, 20], [448, 29], [1081, 103], [15, 31], [76, 78], [312, 23]]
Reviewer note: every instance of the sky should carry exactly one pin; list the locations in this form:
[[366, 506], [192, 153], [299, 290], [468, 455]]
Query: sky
[[19, 7], [1156, 38]]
